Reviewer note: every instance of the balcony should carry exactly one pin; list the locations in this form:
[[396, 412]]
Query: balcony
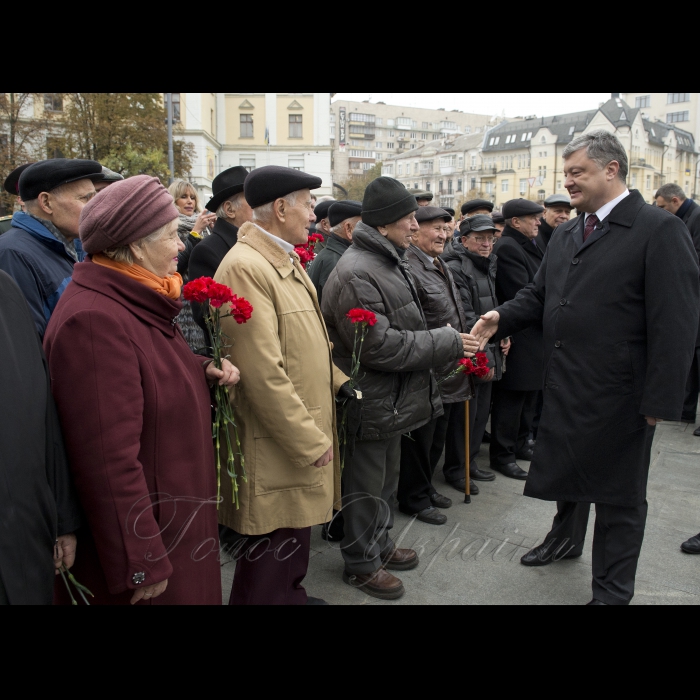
[[426, 171], [639, 163], [447, 170]]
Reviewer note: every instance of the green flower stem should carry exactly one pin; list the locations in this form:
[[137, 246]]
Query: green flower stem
[[65, 580]]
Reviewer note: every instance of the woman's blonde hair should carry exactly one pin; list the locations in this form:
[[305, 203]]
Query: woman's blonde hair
[[180, 188], [123, 253]]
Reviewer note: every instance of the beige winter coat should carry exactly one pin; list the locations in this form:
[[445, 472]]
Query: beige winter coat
[[284, 404]]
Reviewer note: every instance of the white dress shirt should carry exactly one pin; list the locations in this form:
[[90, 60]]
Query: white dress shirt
[[607, 208]]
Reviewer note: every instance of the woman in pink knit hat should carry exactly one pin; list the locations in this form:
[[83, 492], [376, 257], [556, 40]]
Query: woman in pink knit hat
[[135, 408]]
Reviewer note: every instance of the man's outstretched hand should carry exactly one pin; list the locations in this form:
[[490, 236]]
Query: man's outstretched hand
[[485, 327]]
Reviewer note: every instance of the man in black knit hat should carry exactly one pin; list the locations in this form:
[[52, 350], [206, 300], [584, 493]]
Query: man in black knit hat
[[398, 386]]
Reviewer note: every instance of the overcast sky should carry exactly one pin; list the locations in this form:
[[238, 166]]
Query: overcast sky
[[514, 104]]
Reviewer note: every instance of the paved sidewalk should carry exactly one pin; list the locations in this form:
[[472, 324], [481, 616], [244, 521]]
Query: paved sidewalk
[[474, 558]]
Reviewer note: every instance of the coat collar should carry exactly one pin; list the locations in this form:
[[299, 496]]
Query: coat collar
[[337, 244], [523, 240], [148, 306], [367, 238], [227, 232]]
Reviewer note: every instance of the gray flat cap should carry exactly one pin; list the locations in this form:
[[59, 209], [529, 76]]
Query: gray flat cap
[[557, 199]]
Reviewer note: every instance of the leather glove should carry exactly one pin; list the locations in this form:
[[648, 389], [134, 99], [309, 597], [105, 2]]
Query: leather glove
[[349, 417]]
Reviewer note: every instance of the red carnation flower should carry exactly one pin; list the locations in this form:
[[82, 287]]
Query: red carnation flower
[[481, 359], [198, 289], [219, 294], [361, 316], [315, 237], [241, 309], [464, 362], [481, 371]]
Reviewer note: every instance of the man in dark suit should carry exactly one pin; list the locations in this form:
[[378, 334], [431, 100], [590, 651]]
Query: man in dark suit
[[515, 395], [232, 212], [616, 358], [672, 198], [557, 210]]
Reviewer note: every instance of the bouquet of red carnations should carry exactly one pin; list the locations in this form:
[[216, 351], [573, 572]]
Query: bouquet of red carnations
[[478, 366], [205, 290], [306, 252]]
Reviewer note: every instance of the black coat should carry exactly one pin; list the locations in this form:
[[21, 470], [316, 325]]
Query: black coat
[[544, 234], [399, 389], [691, 218], [617, 348], [206, 257], [518, 262], [442, 305], [325, 261], [37, 501]]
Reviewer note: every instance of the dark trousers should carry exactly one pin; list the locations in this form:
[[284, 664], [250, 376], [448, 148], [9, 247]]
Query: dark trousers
[[511, 418], [420, 454], [370, 480], [617, 541], [270, 568], [479, 408], [692, 388]]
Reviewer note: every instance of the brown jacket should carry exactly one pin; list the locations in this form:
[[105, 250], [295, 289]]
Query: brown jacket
[[284, 404]]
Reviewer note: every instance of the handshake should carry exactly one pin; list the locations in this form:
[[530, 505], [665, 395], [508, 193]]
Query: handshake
[[481, 333]]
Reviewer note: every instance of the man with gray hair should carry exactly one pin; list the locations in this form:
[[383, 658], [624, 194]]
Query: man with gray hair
[[672, 198], [616, 359]]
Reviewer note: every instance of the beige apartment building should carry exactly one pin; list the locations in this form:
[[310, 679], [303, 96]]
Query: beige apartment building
[[524, 158], [253, 130], [366, 133]]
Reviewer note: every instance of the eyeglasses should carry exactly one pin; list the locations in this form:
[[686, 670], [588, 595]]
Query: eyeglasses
[[483, 239]]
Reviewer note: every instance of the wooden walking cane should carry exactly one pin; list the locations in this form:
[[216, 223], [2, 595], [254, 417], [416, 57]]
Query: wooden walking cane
[[467, 496]]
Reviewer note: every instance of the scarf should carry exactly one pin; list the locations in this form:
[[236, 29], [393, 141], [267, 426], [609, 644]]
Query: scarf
[[167, 286]]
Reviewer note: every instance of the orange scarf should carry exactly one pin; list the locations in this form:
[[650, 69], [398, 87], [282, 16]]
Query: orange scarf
[[167, 286]]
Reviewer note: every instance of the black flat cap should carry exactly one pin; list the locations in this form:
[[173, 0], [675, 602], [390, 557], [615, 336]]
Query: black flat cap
[[478, 222], [497, 217], [266, 184], [450, 211], [557, 200], [47, 175], [386, 200], [473, 204], [422, 194], [521, 207], [11, 184], [430, 213], [225, 185], [339, 211], [321, 209]]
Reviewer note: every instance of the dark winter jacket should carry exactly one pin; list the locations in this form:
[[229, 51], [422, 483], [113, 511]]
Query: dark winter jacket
[[519, 258], [39, 264], [323, 264], [37, 499], [399, 388], [475, 277], [441, 305], [617, 348]]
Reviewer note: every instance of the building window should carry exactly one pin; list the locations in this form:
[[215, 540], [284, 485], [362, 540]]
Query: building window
[[673, 117], [459, 185], [415, 167], [440, 186], [541, 194], [424, 125], [489, 188], [427, 186], [175, 97], [674, 97], [413, 145], [246, 126], [403, 121], [388, 169], [571, 130], [522, 186], [389, 145], [296, 163], [473, 161], [449, 187], [248, 162], [467, 130], [400, 171], [643, 101], [424, 137], [504, 185], [648, 182], [542, 171], [52, 149], [558, 184], [295, 126], [472, 183], [413, 134], [53, 102]]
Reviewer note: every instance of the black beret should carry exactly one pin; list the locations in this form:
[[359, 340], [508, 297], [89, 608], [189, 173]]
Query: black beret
[[225, 185], [430, 213], [386, 200], [450, 211], [473, 204], [47, 175], [557, 200], [339, 211], [12, 180], [266, 184], [521, 207], [321, 209], [497, 217]]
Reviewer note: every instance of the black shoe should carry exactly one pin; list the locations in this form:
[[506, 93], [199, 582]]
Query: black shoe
[[461, 484], [546, 553], [697, 431], [511, 470], [692, 546], [487, 436], [595, 601], [431, 515], [480, 475], [315, 601], [440, 501], [525, 454]]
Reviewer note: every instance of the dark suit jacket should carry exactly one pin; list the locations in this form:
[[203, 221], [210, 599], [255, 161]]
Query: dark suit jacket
[[206, 258], [518, 262]]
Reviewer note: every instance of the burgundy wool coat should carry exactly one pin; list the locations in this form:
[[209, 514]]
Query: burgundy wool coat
[[136, 416]]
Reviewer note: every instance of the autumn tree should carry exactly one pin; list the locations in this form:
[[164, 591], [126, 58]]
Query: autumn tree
[[126, 132], [357, 185]]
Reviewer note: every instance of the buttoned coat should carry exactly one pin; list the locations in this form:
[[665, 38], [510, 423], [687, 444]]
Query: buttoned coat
[[135, 409], [617, 348], [519, 258], [285, 402]]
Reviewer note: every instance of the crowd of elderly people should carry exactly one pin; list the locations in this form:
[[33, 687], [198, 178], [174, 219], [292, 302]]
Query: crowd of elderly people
[[107, 449]]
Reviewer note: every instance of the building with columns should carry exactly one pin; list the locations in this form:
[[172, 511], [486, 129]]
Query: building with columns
[[255, 129]]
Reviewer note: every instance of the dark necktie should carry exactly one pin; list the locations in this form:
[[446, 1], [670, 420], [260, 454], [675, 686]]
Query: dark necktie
[[591, 221]]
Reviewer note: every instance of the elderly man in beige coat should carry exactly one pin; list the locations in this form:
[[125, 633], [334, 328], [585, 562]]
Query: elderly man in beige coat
[[284, 405]]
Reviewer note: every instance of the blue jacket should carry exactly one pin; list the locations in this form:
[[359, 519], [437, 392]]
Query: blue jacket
[[39, 264]]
